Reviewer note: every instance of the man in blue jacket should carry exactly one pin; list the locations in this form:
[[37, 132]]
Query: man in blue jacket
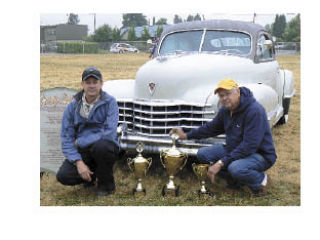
[[89, 136], [249, 149]]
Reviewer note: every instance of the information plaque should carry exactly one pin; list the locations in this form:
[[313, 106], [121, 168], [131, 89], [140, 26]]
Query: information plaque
[[52, 105]]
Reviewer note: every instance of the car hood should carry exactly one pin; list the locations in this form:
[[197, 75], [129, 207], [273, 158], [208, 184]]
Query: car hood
[[189, 77]]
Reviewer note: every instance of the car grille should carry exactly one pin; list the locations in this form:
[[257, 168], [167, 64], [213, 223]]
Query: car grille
[[157, 119]]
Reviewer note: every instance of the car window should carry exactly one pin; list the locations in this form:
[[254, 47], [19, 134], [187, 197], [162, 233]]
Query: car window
[[181, 41], [228, 42], [263, 53]]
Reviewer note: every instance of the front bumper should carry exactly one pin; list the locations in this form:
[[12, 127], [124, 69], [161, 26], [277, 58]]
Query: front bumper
[[153, 145]]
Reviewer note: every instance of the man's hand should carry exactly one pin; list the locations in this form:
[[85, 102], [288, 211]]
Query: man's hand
[[213, 170], [83, 170], [180, 133]]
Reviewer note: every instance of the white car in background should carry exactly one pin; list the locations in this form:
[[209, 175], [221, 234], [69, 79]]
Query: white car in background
[[123, 48], [175, 88]]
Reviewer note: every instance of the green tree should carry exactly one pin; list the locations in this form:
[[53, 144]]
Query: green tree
[[292, 31], [145, 35], [133, 20], [159, 31], [116, 34], [197, 17], [132, 34], [162, 21], [73, 19], [279, 26], [190, 18], [103, 34], [177, 19], [268, 28]]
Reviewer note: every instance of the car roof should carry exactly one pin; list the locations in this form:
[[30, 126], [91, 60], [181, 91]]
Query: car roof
[[251, 28], [232, 25]]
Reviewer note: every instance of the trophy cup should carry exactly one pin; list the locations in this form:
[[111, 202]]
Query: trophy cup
[[139, 165], [172, 160], [200, 171]]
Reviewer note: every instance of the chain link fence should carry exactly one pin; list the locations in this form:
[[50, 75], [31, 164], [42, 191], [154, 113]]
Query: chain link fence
[[282, 48], [87, 47]]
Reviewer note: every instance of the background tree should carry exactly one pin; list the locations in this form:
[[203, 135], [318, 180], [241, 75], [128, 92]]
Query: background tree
[[177, 19], [292, 31], [134, 20], [197, 17], [103, 34], [116, 34], [132, 34], [162, 21], [268, 28], [279, 26], [73, 19], [145, 35], [190, 18], [159, 31]]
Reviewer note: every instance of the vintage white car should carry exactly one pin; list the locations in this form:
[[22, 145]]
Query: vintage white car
[[175, 88]]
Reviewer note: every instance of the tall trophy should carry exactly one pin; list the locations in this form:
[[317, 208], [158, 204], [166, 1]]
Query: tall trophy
[[139, 165], [172, 160], [200, 171]]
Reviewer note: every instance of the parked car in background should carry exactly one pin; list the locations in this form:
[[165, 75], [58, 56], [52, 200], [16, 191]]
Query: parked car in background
[[175, 88], [123, 48]]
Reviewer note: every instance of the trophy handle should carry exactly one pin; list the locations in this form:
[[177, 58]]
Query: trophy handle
[[130, 163], [194, 167], [161, 158], [150, 162], [185, 161]]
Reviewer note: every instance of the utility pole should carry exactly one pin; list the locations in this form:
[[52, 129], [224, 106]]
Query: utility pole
[[254, 17], [94, 23]]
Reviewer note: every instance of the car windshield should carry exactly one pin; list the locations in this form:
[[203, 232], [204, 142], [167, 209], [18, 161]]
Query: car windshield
[[181, 42], [226, 42]]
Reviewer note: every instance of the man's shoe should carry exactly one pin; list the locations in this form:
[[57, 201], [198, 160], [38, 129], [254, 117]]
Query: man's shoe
[[88, 184], [263, 191], [103, 191]]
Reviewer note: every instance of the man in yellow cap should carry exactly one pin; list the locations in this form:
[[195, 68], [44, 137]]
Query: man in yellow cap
[[249, 150]]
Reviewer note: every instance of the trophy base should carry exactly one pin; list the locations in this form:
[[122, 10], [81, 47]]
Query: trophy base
[[139, 193], [170, 192], [205, 194]]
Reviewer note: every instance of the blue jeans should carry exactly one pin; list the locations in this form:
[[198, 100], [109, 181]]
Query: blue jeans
[[248, 171]]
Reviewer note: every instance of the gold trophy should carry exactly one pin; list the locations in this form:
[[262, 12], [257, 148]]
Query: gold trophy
[[139, 165], [200, 171], [172, 160]]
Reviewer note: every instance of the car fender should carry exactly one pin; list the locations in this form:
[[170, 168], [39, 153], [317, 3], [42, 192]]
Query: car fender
[[288, 81], [120, 88], [268, 98]]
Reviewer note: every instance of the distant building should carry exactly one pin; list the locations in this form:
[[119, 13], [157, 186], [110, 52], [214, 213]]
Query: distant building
[[60, 32], [139, 31]]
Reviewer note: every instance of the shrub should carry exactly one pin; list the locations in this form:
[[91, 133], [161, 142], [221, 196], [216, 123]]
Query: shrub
[[77, 47]]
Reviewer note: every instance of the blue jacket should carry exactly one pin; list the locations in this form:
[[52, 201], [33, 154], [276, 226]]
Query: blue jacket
[[247, 130], [101, 124]]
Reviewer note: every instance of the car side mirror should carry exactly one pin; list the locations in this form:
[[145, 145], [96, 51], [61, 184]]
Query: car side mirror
[[268, 44]]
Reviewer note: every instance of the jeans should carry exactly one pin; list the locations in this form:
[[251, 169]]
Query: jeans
[[248, 171], [99, 157]]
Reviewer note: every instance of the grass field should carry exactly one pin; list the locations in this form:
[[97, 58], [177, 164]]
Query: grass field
[[66, 70]]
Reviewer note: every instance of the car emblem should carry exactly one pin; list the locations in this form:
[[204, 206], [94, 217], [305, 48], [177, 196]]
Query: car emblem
[[152, 88]]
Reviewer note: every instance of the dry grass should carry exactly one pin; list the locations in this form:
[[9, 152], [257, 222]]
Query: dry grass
[[65, 70]]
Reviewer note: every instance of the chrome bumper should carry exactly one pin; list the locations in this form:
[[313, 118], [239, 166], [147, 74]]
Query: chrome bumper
[[154, 145]]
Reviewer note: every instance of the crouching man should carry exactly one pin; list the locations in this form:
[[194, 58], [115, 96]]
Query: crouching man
[[89, 136], [249, 149]]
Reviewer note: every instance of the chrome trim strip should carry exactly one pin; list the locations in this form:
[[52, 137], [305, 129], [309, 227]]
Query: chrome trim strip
[[171, 119], [166, 112]]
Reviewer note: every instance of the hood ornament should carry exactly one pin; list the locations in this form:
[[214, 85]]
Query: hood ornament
[[152, 87]]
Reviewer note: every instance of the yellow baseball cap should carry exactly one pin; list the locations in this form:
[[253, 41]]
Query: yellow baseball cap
[[226, 84]]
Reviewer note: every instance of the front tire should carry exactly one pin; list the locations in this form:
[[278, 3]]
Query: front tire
[[285, 117]]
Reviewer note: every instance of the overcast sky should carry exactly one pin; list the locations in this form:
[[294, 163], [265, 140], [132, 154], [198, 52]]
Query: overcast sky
[[115, 19]]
